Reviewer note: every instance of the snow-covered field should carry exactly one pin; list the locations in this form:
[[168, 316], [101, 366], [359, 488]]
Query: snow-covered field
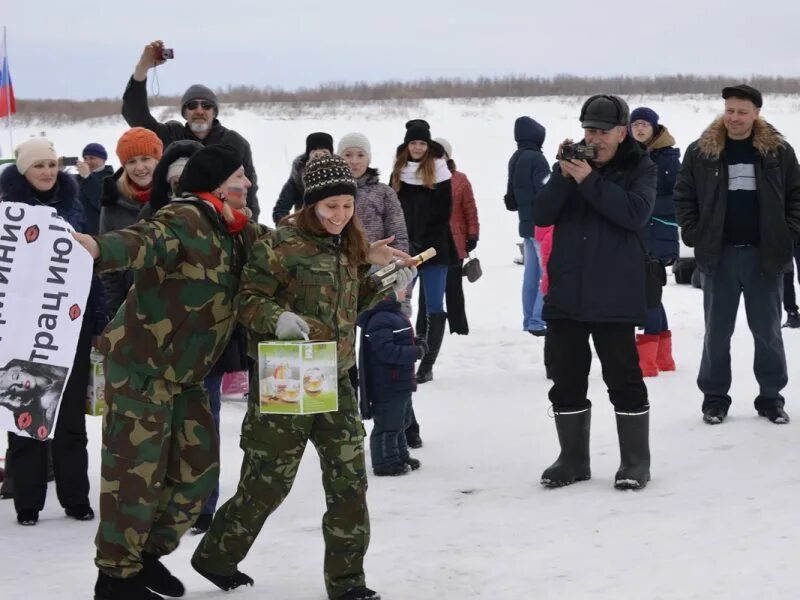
[[717, 521]]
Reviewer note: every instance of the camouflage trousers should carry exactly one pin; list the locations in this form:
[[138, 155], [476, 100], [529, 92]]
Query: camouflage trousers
[[273, 446], [160, 461]]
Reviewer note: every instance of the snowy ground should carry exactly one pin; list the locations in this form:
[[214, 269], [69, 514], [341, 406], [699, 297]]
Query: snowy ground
[[716, 521]]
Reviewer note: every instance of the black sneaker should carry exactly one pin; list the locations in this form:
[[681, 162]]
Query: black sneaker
[[359, 593], [538, 332], [391, 470], [413, 440], [792, 320], [714, 415], [155, 576], [202, 524], [28, 518], [413, 463], [80, 512], [224, 582], [775, 414]]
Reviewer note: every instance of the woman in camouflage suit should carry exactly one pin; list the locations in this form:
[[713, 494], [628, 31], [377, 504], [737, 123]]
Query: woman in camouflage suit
[[306, 278], [160, 454]]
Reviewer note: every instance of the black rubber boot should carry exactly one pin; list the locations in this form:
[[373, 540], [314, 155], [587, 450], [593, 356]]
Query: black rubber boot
[[223, 582], [436, 325], [158, 578], [633, 430], [573, 463], [115, 588]]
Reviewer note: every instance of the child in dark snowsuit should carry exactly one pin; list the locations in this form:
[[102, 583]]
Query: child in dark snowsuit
[[386, 367]]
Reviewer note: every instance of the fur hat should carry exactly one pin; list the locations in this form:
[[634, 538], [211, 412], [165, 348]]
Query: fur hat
[[139, 141], [325, 177], [604, 111], [199, 92], [208, 168], [355, 140], [32, 151], [644, 113], [95, 149], [319, 139], [448, 148]]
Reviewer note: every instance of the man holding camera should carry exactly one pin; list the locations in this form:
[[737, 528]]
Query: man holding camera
[[737, 201], [601, 194], [200, 108], [92, 170]]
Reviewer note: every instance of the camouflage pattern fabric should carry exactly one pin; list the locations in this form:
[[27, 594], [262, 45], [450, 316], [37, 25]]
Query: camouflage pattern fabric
[[160, 461], [310, 276], [180, 308]]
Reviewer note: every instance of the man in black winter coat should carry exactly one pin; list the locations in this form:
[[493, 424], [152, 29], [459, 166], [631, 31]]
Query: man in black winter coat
[[200, 108], [597, 289], [737, 201], [92, 170]]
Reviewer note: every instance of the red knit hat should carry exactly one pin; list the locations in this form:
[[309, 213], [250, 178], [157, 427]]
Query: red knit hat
[[139, 141]]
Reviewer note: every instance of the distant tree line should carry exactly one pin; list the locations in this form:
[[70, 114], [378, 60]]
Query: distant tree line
[[58, 111]]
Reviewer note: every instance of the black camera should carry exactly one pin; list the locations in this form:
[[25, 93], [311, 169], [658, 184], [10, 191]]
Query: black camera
[[167, 53], [69, 161], [577, 152]]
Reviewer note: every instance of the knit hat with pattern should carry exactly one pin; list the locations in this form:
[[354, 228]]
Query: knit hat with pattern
[[325, 177]]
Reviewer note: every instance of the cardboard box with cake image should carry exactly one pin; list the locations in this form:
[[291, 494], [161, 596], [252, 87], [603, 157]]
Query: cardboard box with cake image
[[297, 378]]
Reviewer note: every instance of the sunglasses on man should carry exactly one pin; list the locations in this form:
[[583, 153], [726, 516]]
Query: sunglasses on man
[[195, 103]]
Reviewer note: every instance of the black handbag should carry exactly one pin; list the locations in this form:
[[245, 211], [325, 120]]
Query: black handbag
[[472, 269], [655, 277]]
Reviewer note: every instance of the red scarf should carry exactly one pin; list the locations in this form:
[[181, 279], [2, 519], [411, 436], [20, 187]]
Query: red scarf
[[239, 219], [141, 195]]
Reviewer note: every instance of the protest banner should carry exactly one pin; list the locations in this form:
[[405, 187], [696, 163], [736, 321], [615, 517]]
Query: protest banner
[[45, 276]]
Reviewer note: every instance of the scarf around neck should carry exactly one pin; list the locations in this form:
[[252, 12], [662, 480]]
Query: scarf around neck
[[411, 175], [239, 220]]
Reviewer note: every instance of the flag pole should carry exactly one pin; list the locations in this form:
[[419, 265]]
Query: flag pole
[[8, 96]]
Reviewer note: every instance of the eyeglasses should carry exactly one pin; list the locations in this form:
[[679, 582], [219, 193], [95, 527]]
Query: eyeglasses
[[638, 124], [195, 103]]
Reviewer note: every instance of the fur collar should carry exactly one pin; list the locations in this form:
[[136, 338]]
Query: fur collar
[[662, 139], [14, 188], [766, 139]]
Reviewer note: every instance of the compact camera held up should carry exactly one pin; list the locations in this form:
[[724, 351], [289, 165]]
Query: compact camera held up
[[577, 152]]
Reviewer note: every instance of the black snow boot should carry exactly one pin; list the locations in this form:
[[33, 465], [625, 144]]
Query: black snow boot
[[633, 430], [116, 588], [436, 325], [573, 463], [158, 578], [359, 593], [223, 582]]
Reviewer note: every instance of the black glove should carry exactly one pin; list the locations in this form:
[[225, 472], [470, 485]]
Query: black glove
[[472, 243], [422, 347]]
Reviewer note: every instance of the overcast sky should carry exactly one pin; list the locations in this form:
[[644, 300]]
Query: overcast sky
[[81, 49]]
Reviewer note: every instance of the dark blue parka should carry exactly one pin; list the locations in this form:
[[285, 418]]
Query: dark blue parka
[[15, 188], [661, 233], [597, 267], [528, 170], [387, 355]]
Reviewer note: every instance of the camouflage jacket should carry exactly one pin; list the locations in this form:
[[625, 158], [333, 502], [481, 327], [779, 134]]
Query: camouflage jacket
[[289, 270], [178, 316]]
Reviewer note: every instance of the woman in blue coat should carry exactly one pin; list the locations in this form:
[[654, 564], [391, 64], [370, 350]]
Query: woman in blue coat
[[660, 235]]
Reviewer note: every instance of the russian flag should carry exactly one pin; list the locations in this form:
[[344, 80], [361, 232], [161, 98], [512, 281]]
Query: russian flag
[[8, 105]]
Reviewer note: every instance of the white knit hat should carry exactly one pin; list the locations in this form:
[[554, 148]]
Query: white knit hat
[[355, 140], [446, 145], [32, 151]]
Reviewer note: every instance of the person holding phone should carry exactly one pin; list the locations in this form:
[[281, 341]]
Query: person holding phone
[[200, 109], [92, 171]]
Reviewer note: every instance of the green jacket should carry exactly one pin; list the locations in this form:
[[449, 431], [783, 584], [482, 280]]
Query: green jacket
[[178, 316], [289, 270]]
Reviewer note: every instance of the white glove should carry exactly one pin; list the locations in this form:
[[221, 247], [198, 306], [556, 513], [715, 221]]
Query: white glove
[[291, 327], [404, 278]]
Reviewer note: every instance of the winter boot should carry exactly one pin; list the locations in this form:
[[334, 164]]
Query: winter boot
[[202, 524], [116, 588], [413, 440], [647, 346], [792, 320], [223, 582], [413, 463], [391, 470], [633, 430], [573, 462], [436, 325], [28, 518], [157, 577], [80, 512], [359, 593], [664, 360]]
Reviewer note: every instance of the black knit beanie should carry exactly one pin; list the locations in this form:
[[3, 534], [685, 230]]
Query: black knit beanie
[[417, 129], [319, 139], [199, 92], [327, 176], [208, 168]]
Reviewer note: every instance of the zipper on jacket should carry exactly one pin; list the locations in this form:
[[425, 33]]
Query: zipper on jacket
[[338, 284]]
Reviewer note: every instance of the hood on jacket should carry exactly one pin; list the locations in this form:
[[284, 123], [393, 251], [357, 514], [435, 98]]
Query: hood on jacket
[[661, 139], [388, 303], [298, 166], [370, 177], [162, 192], [766, 139], [528, 133], [15, 188]]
